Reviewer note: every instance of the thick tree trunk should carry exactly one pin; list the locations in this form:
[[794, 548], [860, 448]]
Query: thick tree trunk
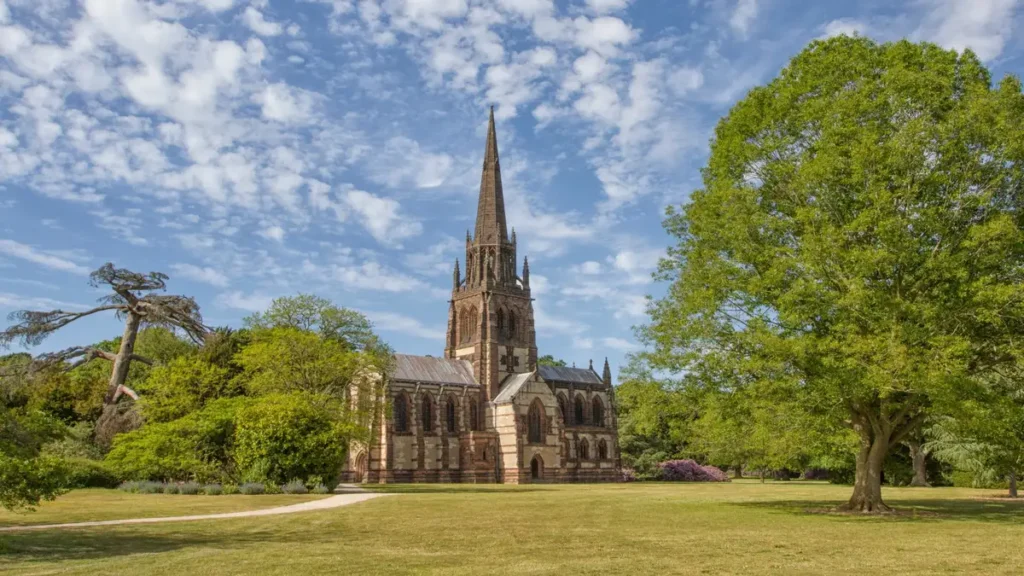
[[1013, 484], [112, 421], [918, 456], [737, 471], [867, 486]]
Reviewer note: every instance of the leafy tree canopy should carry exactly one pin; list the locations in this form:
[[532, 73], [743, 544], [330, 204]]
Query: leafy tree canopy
[[315, 314]]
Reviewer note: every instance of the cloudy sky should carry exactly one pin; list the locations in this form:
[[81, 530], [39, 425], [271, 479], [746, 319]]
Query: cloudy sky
[[258, 148]]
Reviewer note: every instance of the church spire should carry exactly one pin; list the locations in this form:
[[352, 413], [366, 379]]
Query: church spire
[[490, 210], [606, 376], [456, 277]]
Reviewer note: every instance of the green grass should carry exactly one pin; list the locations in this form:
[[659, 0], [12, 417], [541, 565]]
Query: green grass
[[97, 504], [741, 527]]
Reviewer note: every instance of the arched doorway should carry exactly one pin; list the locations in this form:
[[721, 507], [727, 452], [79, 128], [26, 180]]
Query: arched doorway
[[359, 470], [537, 469]]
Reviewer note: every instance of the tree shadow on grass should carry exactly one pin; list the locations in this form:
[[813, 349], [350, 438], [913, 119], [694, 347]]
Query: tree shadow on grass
[[916, 510]]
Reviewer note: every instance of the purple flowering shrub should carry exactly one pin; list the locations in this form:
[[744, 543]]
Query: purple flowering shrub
[[627, 475], [690, 471]]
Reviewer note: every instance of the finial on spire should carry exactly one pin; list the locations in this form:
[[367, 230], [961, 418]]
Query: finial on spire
[[607, 373], [513, 235], [456, 277], [591, 364], [526, 272], [469, 237], [490, 212]]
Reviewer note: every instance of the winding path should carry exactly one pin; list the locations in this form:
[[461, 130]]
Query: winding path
[[352, 495]]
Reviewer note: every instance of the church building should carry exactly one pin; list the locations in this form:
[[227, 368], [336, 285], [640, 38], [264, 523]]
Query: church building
[[486, 411]]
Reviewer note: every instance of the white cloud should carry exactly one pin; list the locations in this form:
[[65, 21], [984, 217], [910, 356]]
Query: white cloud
[[382, 217], [620, 344], [607, 6], [19, 302], [274, 232], [684, 80], [844, 26], [254, 302], [5, 13], [253, 18], [402, 162], [402, 324], [284, 103], [43, 258], [202, 274], [743, 16], [984, 26], [637, 264]]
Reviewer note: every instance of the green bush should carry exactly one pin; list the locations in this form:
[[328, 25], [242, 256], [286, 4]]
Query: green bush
[[295, 487], [252, 488], [197, 446], [151, 487], [230, 489], [213, 489], [321, 489], [286, 436], [85, 473], [172, 488], [191, 488]]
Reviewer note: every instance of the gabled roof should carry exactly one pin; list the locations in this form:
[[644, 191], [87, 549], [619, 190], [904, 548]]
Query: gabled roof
[[570, 375], [431, 370], [511, 386]]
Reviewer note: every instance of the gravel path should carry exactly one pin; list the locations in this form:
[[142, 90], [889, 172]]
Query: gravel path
[[352, 495]]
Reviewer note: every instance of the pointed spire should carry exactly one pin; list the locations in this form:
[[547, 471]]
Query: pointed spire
[[469, 237], [490, 210], [456, 277], [591, 364], [513, 235], [607, 373], [526, 271]]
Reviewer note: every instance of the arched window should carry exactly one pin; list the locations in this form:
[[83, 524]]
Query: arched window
[[597, 411], [578, 411], [450, 415], [401, 413], [474, 415], [535, 422], [511, 324], [501, 321], [561, 409], [602, 450], [584, 449], [427, 412]]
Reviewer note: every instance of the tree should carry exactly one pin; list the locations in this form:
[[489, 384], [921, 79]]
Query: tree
[[655, 420], [183, 386], [294, 360], [858, 240], [315, 314], [549, 360], [134, 300], [26, 477]]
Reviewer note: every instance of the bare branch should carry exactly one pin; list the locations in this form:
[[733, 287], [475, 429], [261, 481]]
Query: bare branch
[[143, 359], [173, 312], [33, 327], [85, 353]]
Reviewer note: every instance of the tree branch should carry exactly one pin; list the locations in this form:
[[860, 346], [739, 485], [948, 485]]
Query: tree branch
[[34, 326]]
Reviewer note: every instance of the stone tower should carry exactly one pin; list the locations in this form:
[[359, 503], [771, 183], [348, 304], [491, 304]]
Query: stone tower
[[490, 316]]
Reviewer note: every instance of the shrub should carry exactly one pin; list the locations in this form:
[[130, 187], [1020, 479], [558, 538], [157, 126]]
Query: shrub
[[191, 488], [321, 489], [251, 488], [196, 446], [294, 487], [286, 436], [172, 488], [690, 471], [271, 488], [230, 489], [86, 473], [151, 487], [131, 486], [213, 489], [627, 475]]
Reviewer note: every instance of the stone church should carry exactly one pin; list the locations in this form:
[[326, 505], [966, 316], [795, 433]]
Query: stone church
[[486, 411]]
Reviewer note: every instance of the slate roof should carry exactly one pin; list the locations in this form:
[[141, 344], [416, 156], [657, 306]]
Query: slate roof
[[511, 386], [570, 375], [431, 370]]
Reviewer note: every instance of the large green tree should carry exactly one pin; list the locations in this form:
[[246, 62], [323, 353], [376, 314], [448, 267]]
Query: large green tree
[[858, 239], [315, 314]]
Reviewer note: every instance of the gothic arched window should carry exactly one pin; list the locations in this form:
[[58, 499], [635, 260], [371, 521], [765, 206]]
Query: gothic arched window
[[597, 411], [450, 415], [401, 413], [501, 321], [474, 415], [578, 411], [535, 422], [602, 450], [584, 449], [561, 409], [511, 324], [427, 412]]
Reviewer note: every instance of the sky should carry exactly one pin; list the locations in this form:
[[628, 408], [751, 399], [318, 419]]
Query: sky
[[252, 149]]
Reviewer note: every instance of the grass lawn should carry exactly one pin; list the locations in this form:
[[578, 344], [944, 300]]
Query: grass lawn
[[97, 504], [741, 527]]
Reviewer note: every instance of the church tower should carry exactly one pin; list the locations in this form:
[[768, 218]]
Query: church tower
[[490, 316]]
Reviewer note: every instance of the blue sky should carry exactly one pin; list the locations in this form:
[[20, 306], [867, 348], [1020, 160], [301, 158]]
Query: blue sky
[[258, 148]]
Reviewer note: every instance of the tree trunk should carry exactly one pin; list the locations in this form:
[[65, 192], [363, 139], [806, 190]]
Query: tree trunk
[[1013, 484], [737, 471], [867, 486], [917, 454], [112, 421]]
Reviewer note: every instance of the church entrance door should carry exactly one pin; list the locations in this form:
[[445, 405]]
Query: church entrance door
[[359, 474], [536, 469]]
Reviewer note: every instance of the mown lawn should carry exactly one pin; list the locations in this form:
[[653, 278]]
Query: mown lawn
[[742, 527], [97, 504]]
